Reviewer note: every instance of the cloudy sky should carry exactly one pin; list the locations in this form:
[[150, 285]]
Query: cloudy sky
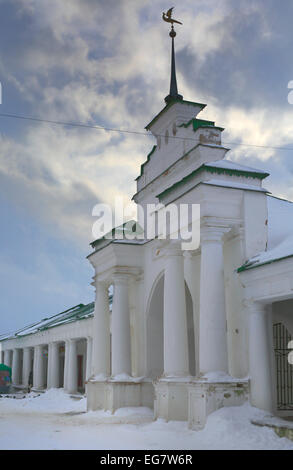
[[106, 62]]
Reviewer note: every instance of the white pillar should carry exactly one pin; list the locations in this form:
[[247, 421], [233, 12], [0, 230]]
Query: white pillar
[[89, 349], [176, 362], [72, 367], [49, 366], [16, 366], [26, 365], [66, 364], [39, 369], [192, 272], [7, 357], [35, 366], [53, 365], [101, 334], [5, 360], [213, 326], [10, 356], [260, 367], [121, 347]]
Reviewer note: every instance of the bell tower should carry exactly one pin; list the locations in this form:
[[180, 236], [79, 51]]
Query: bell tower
[[183, 142]]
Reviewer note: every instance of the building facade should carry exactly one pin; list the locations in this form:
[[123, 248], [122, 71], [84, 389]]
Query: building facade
[[188, 331], [55, 352]]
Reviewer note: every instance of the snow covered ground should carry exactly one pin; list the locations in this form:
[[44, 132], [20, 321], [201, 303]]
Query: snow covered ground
[[55, 421]]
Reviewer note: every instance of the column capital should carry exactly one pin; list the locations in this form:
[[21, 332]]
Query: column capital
[[101, 282], [255, 307], [213, 233], [73, 340], [106, 279], [119, 278], [173, 248]]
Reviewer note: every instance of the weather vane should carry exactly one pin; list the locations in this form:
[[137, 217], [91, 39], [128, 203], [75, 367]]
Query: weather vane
[[173, 82], [168, 18]]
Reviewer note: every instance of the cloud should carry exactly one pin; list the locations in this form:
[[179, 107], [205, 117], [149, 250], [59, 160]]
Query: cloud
[[107, 63], [45, 288]]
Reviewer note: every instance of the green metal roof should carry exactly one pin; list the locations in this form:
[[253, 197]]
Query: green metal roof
[[199, 123], [78, 312], [214, 169], [124, 228], [4, 367], [255, 264]]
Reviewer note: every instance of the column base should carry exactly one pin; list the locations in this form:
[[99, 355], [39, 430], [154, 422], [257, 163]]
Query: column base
[[113, 394], [206, 397], [171, 399]]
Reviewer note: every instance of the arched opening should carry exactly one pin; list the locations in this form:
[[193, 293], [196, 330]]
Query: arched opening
[[190, 331], [155, 330]]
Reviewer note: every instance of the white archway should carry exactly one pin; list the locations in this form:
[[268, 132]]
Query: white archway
[[155, 330]]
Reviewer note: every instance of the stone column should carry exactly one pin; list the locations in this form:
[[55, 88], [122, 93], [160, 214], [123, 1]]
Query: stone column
[[10, 356], [26, 365], [49, 366], [7, 357], [121, 347], [213, 325], [89, 358], [39, 369], [101, 334], [260, 367], [175, 322], [35, 367], [53, 366], [72, 367], [16, 366], [192, 272], [66, 364]]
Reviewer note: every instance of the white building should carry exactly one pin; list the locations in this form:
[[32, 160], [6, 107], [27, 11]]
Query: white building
[[189, 331], [57, 350]]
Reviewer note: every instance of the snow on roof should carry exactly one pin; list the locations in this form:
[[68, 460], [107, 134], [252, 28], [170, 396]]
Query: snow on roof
[[229, 165], [78, 312], [232, 184], [280, 233]]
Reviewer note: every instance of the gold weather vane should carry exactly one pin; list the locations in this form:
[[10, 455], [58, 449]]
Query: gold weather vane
[[168, 17]]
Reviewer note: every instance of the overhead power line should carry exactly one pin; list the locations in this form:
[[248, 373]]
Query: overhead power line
[[125, 131]]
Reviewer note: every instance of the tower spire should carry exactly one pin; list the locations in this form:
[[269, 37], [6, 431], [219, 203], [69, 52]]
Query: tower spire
[[173, 81]]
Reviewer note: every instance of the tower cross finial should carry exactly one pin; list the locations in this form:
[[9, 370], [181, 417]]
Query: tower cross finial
[[173, 82]]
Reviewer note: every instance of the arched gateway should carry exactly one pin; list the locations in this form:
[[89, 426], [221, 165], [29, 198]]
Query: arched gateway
[[155, 330]]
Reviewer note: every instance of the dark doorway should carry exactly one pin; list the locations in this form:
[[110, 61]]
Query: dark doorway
[[284, 369]]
